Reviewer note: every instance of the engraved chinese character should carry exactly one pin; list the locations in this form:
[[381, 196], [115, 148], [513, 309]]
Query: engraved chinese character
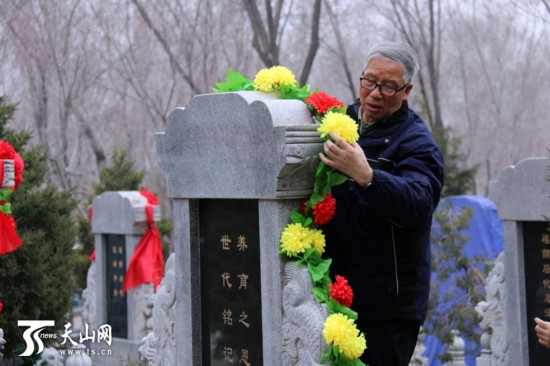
[[242, 319], [243, 277], [115, 278], [546, 254], [227, 317], [120, 250], [244, 357], [115, 292], [67, 334], [228, 354], [546, 283], [547, 298], [242, 243], [545, 239], [114, 250], [225, 242], [104, 333], [120, 264], [87, 337], [546, 268], [225, 278]]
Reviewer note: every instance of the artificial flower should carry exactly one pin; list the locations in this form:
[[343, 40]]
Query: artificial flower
[[324, 210], [341, 124], [295, 239], [8, 152], [1, 306], [341, 291], [268, 80], [317, 240], [343, 333], [322, 102]]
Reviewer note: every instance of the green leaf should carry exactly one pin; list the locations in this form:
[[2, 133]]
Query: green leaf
[[320, 168], [5, 193], [327, 355], [318, 272], [234, 82], [320, 293], [337, 179], [334, 307], [297, 217], [6, 208]]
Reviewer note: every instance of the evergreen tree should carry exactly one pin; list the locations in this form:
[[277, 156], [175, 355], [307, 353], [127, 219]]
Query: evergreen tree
[[458, 179], [35, 279]]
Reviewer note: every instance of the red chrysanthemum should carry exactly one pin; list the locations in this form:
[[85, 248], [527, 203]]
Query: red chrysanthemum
[[322, 102], [8, 152], [341, 291], [324, 210], [151, 198], [1, 306]]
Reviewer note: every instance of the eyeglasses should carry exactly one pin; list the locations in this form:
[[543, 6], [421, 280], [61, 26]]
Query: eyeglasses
[[386, 90]]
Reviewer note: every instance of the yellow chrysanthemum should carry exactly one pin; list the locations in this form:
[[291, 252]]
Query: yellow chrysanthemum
[[341, 124], [342, 331], [317, 240], [268, 80], [295, 239]]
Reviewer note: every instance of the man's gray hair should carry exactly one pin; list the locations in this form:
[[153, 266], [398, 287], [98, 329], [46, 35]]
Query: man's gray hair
[[401, 53]]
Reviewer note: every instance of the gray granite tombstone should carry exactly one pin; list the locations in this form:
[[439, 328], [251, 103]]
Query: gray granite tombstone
[[118, 223], [522, 196], [8, 173], [236, 164]]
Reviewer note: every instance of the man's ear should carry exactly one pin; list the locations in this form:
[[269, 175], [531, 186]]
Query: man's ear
[[407, 90]]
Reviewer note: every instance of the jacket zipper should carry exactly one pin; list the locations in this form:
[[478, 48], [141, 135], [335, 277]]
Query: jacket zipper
[[395, 260]]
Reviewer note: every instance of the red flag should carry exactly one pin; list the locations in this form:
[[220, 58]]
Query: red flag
[[146, 264], [9, 240]]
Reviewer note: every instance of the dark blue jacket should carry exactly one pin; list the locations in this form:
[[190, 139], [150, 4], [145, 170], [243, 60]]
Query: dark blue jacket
[[379, 238]]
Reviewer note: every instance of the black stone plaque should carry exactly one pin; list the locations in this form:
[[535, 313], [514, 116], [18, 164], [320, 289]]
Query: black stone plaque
[[536, 241], [230, 282], [117, 309]]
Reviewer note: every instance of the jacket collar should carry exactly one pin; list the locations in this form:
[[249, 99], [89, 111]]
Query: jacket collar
[[383, 127]]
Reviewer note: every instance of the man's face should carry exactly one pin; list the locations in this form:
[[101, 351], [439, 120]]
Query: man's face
[[376, 106]]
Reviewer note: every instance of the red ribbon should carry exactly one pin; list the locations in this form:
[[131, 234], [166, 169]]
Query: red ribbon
[[146, 264], [9, 240], [91, 258]]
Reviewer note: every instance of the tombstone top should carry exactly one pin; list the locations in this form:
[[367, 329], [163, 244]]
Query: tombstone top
[[9, 173], [239, 145], [121, 212], [522, 192]]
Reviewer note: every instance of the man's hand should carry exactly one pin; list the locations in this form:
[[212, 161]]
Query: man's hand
[[349, 159], [542, 329]]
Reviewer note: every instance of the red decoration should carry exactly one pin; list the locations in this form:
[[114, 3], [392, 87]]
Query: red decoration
[[8, 152], [151, 198], [146, 264], [324, 210], [1, 306], [9, 240], [322, 102], [341, 291]]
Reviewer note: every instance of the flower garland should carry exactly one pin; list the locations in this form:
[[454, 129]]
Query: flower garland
[[302, 239], [9, 240]]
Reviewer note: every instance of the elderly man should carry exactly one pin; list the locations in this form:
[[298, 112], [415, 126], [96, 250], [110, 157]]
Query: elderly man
[[379, 238]]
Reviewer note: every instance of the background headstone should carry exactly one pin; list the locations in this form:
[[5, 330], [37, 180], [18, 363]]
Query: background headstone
[[521, 194], [118, 223]]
